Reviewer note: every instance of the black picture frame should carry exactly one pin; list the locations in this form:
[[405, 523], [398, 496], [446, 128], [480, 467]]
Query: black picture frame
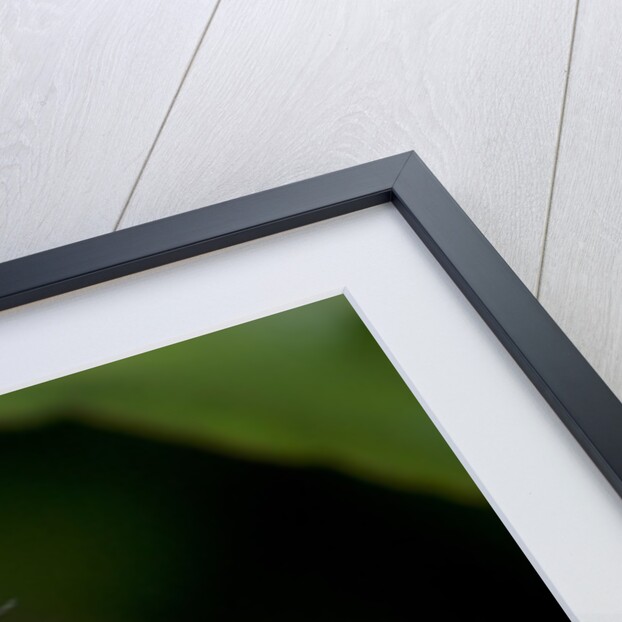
[[572, 388]]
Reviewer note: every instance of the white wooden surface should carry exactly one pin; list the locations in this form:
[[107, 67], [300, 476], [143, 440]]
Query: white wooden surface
[[84, 87], [284, 90], [549, 494], [582, 276]]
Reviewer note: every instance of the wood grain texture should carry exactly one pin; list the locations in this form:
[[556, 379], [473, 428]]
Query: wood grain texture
[[280, 91], [582, 270], [84, 87]]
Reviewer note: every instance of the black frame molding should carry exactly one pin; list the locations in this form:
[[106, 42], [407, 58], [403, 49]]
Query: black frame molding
[[581, 399]]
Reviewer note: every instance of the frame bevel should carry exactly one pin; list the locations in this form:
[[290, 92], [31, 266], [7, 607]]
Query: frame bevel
[[572, 388]]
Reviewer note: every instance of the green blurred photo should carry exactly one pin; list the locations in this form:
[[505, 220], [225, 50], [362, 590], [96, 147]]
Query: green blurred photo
[[277, 470]]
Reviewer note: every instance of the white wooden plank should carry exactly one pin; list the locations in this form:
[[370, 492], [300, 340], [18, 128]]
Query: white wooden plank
[[283, 90], [582, 272], [84, 87]]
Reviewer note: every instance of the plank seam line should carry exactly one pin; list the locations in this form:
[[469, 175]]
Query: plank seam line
[[166, 115], [547, 218]]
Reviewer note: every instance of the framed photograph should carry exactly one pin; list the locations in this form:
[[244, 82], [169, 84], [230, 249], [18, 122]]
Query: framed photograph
[[112, 331]]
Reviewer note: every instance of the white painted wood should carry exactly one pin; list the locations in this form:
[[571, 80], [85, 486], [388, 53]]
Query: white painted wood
[[286, 90], [550, 495], [84, 87], [582, 275]]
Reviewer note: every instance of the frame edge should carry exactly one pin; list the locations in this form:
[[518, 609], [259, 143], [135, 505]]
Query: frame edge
[[564, 378]]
